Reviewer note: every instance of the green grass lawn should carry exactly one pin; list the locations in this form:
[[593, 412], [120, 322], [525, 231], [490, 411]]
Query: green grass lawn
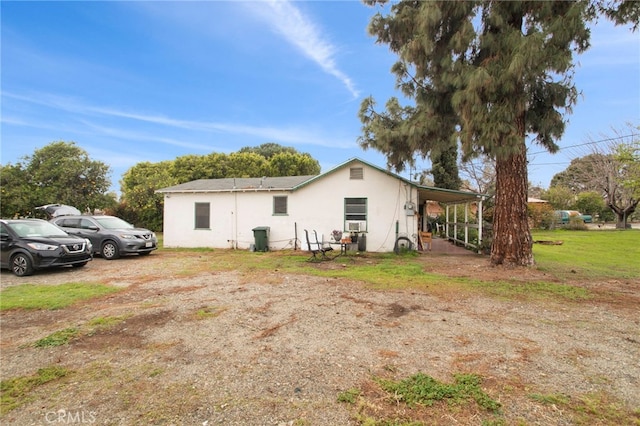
[[589, 254], [30, 296]]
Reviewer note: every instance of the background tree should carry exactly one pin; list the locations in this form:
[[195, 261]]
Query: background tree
[[489, 73], [266, 160], [592, 203], [293, 164], [610, 169], [217, 165], [140, 204], [445, 168], [479, 175], [622, 188], [267, 150], [578, 176], [60, 172], [396, 134], [560, 197], [541, 215], [15, 194], [190, 167], [246, 164]]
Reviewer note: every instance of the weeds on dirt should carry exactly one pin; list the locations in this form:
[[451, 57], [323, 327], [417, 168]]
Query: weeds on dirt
[[58, 338], [553, 398], [104, 323], [540, 290], [30, 296], [205, 312], [65, 336], [349, 396], [591, 408], [17, 391], [420, 399], [425, 390]]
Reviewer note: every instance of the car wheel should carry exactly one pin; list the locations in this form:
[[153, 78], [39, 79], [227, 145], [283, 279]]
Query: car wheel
[[21, 265], [110, 250]]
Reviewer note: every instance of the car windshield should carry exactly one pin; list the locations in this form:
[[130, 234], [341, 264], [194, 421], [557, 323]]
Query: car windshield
[[113, 223], [34, 228]]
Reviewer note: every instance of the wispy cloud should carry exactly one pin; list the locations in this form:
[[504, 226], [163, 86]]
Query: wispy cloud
[[286, 135], [292, 135], [134, 135], [302, 32]]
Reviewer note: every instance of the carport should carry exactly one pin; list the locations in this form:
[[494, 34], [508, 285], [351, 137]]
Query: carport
[[462, 211]]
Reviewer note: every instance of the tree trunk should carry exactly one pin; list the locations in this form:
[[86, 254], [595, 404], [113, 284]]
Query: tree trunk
[[622, 222], [512, 243], [623, 213]]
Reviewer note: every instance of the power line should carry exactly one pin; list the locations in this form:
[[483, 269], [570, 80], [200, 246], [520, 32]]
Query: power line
[[549, 164], [586, 143]]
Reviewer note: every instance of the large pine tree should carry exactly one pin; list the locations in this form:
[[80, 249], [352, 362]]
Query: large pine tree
[[485, 75]]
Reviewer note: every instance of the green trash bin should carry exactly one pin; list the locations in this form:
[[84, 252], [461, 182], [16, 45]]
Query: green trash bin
[[261, 236]]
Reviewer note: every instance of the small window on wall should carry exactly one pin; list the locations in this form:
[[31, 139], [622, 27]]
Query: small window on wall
[[356, 173], [203, 216], [280, 204], [355, 214]]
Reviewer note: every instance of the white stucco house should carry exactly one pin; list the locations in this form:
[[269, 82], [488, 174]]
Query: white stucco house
[[355, 196]]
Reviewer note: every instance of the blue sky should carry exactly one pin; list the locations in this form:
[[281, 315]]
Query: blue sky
[[153, 80]]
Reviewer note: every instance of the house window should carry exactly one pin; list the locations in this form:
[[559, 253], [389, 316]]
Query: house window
[[280, 204], [356, 173], [202, 216], [355, 214]]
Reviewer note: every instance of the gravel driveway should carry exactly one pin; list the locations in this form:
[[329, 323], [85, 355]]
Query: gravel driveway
[[272, 348]]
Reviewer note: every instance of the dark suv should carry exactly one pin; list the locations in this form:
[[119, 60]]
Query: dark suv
[[30, 244], [111, 236]]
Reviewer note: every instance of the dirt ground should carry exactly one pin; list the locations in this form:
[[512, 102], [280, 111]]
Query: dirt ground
[[273, 348]]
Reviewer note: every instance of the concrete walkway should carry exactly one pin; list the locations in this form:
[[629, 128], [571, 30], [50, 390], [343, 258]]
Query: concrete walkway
[[443, 246]]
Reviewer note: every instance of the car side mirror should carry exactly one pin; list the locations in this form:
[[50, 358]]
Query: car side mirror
[[4, 237], [93, 228]]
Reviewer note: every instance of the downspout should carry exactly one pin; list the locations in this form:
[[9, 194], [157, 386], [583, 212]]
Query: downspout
[[235, 213], [397, 229]]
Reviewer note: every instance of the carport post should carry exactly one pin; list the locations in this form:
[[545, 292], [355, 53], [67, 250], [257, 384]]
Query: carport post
[[466, 223]]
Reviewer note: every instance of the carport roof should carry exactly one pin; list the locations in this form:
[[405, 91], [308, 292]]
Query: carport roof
[[447, 196], [291, 183]]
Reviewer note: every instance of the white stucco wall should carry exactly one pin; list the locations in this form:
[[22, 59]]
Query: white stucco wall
[[317, 206]]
